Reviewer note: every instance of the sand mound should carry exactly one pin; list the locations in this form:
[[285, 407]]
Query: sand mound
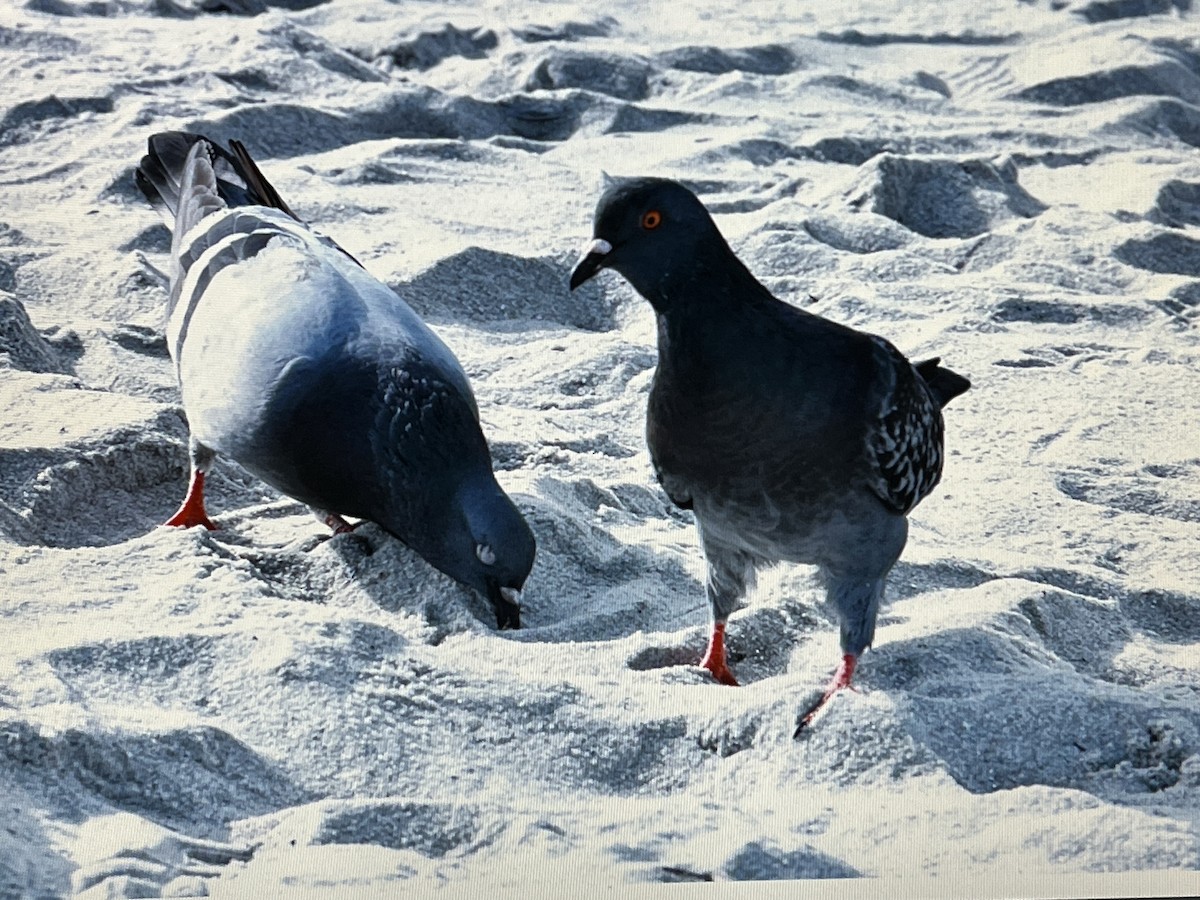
[[1169, 252], [940, 197], [426, 49], [767, 59], [1108, 10], [21, 345], [463, 287], [1177, 204], [621, 77]]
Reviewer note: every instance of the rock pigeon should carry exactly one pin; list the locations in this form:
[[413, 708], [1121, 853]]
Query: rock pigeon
[[297, 364], [790, 437]]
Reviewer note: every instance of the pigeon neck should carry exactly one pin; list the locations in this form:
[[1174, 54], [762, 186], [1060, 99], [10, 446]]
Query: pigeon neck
[[719, 300], [477, 494], [714, 281]]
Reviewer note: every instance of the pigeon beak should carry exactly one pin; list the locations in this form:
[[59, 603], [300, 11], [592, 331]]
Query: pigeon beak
[[591, 262], [506, 602]]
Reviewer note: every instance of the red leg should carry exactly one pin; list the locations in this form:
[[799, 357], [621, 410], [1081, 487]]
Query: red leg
[[841, 679], [714, 657], [191, 511], [339, 525], [332, 520]]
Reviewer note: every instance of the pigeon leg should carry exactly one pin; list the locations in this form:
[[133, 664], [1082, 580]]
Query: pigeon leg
[[714, 656], [333, 521], [856, 601], [841, 679], [191, 512], [730, 574]]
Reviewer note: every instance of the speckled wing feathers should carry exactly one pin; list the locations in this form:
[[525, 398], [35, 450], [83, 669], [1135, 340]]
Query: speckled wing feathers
[[429, 414], [906, 445]]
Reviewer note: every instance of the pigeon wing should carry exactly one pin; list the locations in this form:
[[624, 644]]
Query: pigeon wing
[[906, 443]]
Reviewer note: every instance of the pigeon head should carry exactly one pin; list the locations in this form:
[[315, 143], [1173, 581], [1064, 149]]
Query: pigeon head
[[653, 231], [491, 549]]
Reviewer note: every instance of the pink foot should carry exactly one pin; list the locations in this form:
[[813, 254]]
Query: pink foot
[[191, 511], [338, 524], [841, 679], [714, 657]]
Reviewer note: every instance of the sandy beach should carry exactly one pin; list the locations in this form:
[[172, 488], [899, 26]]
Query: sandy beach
[[266, 710]]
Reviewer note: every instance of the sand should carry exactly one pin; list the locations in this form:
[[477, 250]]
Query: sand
[[267, 711]]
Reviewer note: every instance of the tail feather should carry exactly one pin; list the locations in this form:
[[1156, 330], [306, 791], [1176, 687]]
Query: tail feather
[[159, 188], [198, 196], [235, 179], [944, 383], [256, 182], [238, 180]]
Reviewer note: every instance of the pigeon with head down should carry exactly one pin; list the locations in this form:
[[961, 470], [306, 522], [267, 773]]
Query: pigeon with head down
[[317, 378], [790, 437]]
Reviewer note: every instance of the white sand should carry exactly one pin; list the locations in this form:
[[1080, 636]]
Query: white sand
[[1013, 187]]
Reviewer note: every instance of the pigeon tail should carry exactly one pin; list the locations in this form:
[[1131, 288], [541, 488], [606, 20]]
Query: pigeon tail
[[239, 182], [236, 178], [198, 196], [943, 383]]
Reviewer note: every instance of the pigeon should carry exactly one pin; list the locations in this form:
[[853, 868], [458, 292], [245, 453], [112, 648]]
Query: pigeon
[[318, 379], [790, 437]]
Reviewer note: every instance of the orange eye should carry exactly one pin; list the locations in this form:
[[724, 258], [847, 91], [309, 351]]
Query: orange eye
[[651, 219]]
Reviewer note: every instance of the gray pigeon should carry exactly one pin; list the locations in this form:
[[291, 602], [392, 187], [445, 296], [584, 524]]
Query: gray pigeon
[[314, 376], [790, 437]]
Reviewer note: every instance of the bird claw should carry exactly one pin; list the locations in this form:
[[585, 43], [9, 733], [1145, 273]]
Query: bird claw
[[191, 512], [188, 516], [840, 682], [719, 671], [811, 714]]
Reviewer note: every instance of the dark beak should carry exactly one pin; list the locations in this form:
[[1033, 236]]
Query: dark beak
[[592, 261], [508, 613]]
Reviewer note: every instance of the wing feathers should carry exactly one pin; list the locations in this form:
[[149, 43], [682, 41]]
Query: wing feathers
[[906, 443], [190, 287]]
